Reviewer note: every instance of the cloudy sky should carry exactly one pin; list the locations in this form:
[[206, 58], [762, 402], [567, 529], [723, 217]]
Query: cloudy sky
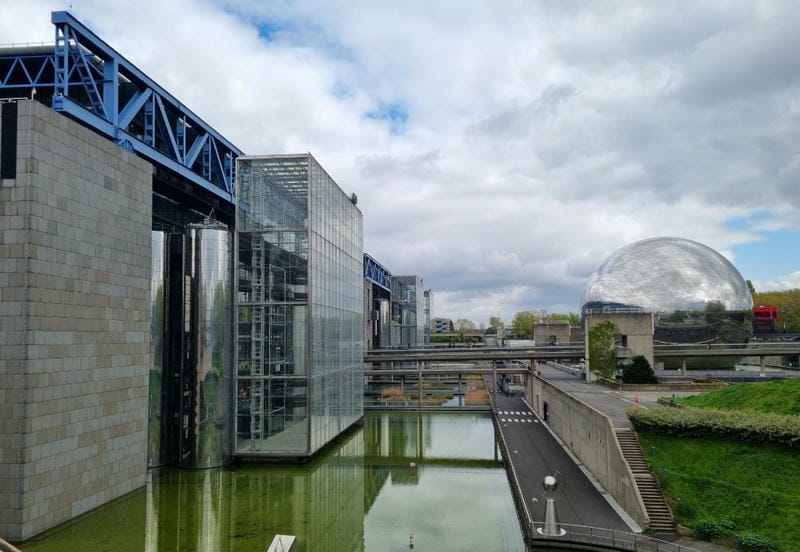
[[500, 149]]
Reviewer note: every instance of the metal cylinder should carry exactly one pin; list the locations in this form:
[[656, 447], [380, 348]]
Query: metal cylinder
[[207, 374], [157, 328]]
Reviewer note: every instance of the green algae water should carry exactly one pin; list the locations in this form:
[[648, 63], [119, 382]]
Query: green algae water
[[431, 480]]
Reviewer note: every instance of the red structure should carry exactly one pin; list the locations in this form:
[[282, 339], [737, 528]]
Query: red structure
[[764, 318]]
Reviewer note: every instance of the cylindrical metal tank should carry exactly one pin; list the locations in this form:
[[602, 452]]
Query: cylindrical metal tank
[[206, 380], [157, 328]]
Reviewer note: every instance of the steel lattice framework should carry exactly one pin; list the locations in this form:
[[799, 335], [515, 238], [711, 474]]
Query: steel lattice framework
[[376, 273], [94, 84]]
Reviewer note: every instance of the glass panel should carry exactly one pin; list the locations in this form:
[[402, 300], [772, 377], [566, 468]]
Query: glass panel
[[300, 267]]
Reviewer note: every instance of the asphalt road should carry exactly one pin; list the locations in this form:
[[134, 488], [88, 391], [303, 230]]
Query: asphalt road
[[535, 453]]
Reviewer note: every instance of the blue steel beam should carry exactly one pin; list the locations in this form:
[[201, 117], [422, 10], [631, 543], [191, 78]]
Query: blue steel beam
[[94, 84], [26, 70], [376, 273]]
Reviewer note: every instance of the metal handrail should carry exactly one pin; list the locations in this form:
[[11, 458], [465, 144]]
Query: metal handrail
[[619, 540]]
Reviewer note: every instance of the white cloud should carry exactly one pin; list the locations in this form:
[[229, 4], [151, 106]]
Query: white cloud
[[529, 141], [786, 281]]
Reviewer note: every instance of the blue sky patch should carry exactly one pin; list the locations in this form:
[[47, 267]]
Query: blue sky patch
[[776, 254], [267, 30], [746, 222], [393, 112]]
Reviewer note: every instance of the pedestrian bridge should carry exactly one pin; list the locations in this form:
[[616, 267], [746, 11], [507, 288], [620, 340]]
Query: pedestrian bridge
[[428, 359]]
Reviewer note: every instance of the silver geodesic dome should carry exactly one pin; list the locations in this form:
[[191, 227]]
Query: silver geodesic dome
[[686, 285]]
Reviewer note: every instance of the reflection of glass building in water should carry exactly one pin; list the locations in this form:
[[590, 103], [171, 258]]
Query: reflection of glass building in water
[[693, 292], [322, 502], [299, 350]]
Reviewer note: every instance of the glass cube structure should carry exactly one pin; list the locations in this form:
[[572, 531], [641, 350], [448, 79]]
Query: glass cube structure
[[300, 342], [408, 312]]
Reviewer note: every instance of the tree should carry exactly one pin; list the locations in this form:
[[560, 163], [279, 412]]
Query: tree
[[464, 325], [542, 315], [639, 371], [496, 323], [573, 318], [523, 322], [788, 303], [602, 353]]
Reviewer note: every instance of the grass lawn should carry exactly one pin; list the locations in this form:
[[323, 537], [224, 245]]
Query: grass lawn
[[777, 397], [757, 487]]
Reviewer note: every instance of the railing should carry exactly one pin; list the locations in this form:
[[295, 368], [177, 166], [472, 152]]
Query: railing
[[609, 538]]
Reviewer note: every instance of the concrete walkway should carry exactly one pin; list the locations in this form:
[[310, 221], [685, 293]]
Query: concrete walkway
[[535, 453], [613, 403]]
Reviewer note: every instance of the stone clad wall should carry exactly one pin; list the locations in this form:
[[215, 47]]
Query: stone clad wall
[[75, 318]]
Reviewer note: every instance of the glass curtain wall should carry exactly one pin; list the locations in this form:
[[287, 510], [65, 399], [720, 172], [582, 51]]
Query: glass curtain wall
[[337, 307], [295, 346], [408, 312]]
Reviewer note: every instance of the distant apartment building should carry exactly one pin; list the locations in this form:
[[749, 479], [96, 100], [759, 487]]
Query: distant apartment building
[[442, 325]]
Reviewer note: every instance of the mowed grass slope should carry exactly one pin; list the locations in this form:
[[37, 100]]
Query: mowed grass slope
[[757, 487], [777, 397]]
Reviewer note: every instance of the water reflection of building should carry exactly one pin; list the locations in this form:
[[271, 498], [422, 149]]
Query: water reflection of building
[[322, 502]]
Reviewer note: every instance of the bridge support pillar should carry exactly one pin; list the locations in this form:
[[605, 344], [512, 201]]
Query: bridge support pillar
[[494, 378], [419, 383]]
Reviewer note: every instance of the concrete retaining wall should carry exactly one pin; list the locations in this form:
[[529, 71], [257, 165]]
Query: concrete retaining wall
[[590, 436], [74, 323]]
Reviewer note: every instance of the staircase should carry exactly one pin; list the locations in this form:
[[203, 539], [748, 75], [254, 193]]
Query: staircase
[[654, 503]]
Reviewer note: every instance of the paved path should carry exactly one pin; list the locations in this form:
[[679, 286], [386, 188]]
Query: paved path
[[535, 453]]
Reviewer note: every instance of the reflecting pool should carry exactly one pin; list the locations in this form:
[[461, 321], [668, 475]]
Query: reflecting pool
[[434, 480]]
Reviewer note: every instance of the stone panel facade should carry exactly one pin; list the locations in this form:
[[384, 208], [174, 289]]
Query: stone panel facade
[[74, 323]]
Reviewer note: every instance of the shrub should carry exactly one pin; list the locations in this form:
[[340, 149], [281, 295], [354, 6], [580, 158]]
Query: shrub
[[707, 529], [639, 371], [746, 426], [757, 543]]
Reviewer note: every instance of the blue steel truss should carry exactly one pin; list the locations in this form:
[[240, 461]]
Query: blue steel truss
[[376, 273], [94, 84]]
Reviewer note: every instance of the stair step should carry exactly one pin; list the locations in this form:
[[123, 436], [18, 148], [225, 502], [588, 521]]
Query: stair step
[[657, 509]]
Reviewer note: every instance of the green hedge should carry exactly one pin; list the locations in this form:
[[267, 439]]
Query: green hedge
[[737, 425], [757, 543]]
